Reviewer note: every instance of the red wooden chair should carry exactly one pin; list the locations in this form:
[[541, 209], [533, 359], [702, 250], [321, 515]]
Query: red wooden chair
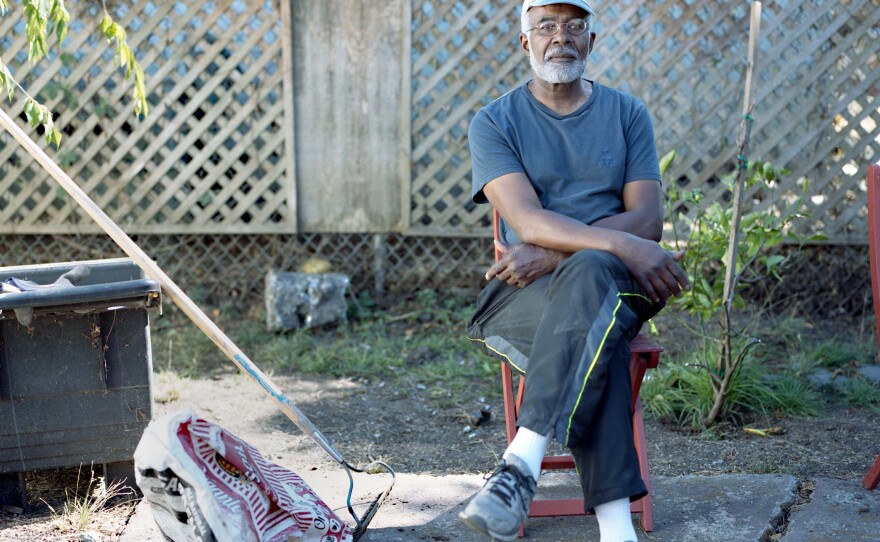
[[873, 477], [645, 355]]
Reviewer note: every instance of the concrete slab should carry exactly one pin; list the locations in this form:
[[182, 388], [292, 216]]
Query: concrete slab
[[838, 510], [735, 507], [732, 508], [141, 527]]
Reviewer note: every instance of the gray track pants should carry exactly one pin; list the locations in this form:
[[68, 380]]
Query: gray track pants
[[570, 332]]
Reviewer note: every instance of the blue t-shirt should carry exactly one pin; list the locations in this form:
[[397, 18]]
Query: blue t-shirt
[[577, 163]]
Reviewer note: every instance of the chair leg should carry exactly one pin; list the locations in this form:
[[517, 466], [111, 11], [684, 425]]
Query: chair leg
[[873, 477], [647, 515], [510, 407]]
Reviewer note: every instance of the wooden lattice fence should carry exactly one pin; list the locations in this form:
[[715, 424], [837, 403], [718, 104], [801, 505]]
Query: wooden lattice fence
[[215, 153], [817, 95], [218, 154]]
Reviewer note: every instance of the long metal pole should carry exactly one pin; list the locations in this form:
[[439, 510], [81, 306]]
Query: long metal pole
[[152, 270]]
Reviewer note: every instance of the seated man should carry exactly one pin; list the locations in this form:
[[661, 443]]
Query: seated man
[[572, 168]]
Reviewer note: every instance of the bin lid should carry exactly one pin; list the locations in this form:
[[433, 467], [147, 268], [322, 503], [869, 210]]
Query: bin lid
[[139, 293]]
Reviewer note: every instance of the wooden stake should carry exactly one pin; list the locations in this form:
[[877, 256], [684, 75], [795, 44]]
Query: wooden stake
[[743, 140]]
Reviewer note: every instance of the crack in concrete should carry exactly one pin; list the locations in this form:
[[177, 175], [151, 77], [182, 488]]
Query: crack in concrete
[[779, 525]]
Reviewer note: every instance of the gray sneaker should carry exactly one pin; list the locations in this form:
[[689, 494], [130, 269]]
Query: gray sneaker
[[502, 504]]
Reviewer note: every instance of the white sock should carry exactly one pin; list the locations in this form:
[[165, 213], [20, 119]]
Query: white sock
[[615, 521], [529, 446]]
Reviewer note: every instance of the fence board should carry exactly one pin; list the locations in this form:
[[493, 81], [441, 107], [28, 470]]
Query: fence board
[[348, 113], [289, 128]]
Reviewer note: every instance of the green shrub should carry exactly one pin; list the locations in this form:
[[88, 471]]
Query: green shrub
[[723, 376]]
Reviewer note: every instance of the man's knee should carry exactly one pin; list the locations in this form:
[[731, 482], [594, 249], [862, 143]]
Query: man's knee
[[593, 264]]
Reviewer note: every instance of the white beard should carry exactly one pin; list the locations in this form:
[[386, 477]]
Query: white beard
[[558, 72]]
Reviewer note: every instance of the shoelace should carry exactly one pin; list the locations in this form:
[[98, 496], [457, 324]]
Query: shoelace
[[505, 487]]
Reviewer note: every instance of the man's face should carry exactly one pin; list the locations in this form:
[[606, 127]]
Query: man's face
[[561, 58]]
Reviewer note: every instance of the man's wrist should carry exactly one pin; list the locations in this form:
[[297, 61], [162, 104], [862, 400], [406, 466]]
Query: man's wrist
[[618, 241]]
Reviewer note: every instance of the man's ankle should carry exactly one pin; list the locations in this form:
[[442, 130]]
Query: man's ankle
[[529, 446], [615, 521]]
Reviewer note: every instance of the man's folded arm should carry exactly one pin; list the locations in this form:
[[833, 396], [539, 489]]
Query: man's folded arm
[[515, 199], [652, 266], [643, 217]]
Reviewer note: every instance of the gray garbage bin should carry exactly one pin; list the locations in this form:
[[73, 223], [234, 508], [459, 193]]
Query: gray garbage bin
[[75, 370]]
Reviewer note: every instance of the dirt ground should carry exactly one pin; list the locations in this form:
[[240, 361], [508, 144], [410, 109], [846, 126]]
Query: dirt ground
[[405, 428]]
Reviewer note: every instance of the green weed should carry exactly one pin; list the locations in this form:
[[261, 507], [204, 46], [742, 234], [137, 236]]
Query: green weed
[[683, 391], [421, 340], [859, 392], [796, 397], [836, 353]]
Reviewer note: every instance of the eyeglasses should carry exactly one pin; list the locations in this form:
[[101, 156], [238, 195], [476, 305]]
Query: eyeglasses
[[550, 28]]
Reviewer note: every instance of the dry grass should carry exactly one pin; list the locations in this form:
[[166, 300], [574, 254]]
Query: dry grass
[[76, 505], [84, 502]]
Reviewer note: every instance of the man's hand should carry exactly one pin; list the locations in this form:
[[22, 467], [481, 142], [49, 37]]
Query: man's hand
[[521, 264], [655, 269]]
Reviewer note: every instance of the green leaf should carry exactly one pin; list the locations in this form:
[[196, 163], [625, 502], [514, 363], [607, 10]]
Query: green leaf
[[666, 161], [126, 59], [61, 31], [6, 81], [703, 300], [67, 59], [51, 89], [102, 108], [56, 137], [105, 25], [32, 113], [773, 261], [67, 158]]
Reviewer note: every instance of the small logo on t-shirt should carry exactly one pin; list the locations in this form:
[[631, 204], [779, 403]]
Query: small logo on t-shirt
[[607, 160]]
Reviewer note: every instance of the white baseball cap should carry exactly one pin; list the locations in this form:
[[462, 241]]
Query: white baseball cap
[[583, 4]]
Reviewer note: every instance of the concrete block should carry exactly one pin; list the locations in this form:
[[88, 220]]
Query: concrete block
[[871, 373], [838, 510], [822, 378], [303, 300]]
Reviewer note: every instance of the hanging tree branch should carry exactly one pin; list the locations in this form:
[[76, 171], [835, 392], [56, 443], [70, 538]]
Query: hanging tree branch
[[45, 18], [112, 31]]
